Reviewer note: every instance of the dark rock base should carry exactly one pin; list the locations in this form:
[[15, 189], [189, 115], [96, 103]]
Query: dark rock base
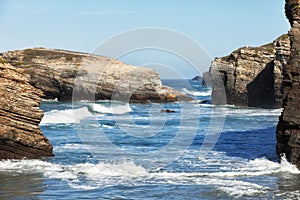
[[13, 150]]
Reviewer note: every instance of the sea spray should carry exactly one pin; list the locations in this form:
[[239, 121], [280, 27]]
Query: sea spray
[[66, 116]]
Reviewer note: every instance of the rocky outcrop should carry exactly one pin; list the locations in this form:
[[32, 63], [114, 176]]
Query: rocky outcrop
[[20, 135], [288, 129], [206, 82], [197, 78], [54, 72], [252, 76]]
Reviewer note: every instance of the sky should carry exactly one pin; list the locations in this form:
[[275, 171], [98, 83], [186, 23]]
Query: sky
[[217, 26]]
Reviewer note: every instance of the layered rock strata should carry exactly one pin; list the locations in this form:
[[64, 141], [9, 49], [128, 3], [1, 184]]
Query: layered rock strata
[[54, 72], [252, 76], [288, 129], [20, 135]]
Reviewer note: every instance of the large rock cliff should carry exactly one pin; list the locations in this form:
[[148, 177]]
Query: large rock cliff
[[20, 135], [54, 72], [288, 129], [252, 76]]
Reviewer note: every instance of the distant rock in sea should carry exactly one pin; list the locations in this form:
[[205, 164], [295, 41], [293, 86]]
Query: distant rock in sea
[[54, 71], [20, 135], [197, 78], [252, 76], [288, 129]]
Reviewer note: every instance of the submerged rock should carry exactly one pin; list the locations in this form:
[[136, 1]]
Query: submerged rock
[[54, 72], [288, 129], [20, 135], [204, 101], [167, 111], [252, 76]]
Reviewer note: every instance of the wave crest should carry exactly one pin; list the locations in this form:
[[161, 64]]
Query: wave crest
[[197, 93]]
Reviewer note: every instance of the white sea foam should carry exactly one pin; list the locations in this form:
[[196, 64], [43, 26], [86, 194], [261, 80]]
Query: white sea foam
[[113, 109], [36, 166], [230, 179], [257, 167], [126, 173], [196, 93], [242, 112], [253, 112], [101, 174], [50, 100], [289, 195], [102, 170], [225, 180], [234, 188], [237, 189], [82, 187], [74, 146], [68, 116]]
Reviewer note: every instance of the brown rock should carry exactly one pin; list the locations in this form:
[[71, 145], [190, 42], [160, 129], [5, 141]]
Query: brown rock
[[20, 135], [54, 72], [288, 129], [252, 76]]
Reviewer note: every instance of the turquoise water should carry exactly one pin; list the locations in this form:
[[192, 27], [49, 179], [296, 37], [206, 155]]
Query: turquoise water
[[107, 150]]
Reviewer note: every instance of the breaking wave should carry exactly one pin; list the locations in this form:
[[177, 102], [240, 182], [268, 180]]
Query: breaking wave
[[68, 116], [113, 109], [197, 93], [128, 173]]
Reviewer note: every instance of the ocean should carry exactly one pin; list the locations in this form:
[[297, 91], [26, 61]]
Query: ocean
[[115, 150]]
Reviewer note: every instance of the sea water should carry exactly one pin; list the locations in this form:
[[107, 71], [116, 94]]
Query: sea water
[[116, 150]]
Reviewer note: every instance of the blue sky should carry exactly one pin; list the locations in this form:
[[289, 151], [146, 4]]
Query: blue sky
[[219, 26]]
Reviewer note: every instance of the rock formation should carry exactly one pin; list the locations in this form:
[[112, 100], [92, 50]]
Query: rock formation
[[54, 72], [167, 111], [252, 76], [20, 135], [197, 78], [206, 82], [288, 129]]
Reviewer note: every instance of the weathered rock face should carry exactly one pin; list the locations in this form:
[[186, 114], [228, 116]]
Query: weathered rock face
[[20, 135], [252, 76], [206, 82], [288, 129], [54, 72]]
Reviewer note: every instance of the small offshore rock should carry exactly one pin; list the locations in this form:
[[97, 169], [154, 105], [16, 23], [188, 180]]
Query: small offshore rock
[[167, 111]]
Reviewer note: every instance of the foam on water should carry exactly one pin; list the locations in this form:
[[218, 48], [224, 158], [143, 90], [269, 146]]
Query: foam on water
[[289, 195], [74, 146], [113, 109], [65, 116], [257, 167], [196, 93], [91, 171], [101, 174], [245, 112], [36, 166], [237, 189], [102, 170], [231, 180], [50, 100], [251, 112]]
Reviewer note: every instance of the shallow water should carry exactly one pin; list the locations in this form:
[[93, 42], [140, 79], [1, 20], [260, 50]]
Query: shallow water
[[123, 151]]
